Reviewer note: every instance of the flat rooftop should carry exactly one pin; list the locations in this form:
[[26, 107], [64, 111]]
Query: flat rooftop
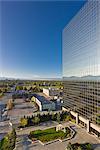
[[42, 99]]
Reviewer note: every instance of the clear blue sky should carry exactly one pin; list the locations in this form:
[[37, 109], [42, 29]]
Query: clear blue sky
[[31, 37]]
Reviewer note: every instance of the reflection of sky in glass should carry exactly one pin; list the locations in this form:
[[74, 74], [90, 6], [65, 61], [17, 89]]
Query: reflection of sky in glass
[[0, 44], [81, 47]]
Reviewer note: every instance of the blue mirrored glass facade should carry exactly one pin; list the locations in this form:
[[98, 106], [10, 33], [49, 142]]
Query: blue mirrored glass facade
[[81, 62]]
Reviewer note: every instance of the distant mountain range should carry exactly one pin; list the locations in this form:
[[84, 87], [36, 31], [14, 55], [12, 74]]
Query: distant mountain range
[[89, 77], [7, 78]]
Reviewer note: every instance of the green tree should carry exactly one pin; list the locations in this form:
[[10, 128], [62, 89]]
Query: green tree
[[58, 117], [36, 89], [53, 117], [23, 122], [69, 147], [30, 88], [79, 148], [24, 88], [8, 142], [12, 139], [19, 88], [89, 146], [4, 143], [0, 91], [68, 118], [36, 120]]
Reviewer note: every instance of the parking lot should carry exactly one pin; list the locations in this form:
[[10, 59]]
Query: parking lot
[[21, 108]]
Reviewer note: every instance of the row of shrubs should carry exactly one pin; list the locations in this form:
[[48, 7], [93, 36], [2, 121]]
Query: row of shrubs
[[8, 142], [34, 120], [77, 146]]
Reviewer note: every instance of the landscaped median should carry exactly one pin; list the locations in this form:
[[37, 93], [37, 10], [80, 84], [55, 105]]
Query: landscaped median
[[51, 135]]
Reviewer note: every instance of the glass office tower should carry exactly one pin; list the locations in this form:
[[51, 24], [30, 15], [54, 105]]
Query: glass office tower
[[81, 64]]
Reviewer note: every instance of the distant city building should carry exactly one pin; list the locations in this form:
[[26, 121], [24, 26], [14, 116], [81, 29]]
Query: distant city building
[[51, 91], [43, 103], [81, 66]]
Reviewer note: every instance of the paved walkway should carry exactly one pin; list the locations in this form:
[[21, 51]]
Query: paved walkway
[[81, 137]]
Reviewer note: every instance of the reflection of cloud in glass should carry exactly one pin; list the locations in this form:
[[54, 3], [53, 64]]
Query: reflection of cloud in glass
[[81, 46], [87, 70]]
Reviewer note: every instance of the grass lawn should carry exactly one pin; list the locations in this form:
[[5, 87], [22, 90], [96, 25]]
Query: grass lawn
[[49, 134]]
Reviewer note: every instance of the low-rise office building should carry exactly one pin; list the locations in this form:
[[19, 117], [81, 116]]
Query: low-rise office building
[[51, 91], [43, 103]]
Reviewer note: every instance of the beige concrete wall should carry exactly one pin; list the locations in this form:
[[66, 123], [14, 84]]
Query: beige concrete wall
[[83, 119], [86, 121], [97, 128]]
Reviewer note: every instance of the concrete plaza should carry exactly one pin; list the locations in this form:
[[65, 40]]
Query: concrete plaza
[[81, 137]]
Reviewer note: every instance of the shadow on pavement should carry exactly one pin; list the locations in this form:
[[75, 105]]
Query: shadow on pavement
[[96, 146]]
